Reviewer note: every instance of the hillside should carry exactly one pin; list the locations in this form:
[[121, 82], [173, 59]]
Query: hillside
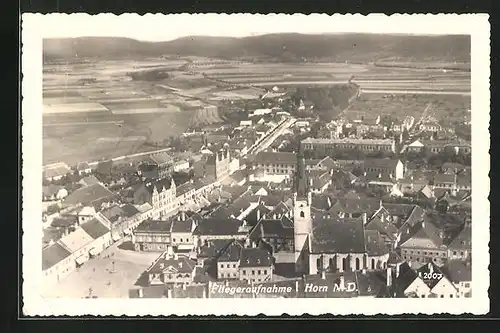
[[273, 47]]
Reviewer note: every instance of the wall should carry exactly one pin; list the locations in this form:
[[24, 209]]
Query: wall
[[422, 255], [340, 262], [225, 272], [256, 274], [445, 289]]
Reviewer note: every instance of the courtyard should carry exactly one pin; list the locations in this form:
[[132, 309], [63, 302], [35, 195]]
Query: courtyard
[[109, 275]]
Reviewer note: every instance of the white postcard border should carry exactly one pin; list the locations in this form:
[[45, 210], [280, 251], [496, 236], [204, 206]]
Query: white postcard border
[[37, 26]]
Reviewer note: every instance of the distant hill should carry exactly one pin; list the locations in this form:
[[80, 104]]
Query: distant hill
[[273, 47]]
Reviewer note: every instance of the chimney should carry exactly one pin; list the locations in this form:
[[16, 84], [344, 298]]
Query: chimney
[[141, 293], [310, 182], [183, 216], [169, 293], [365, 218], [258, 214], [397, 270], [431, 268], [342, 282], [323, 274], [389, 276]]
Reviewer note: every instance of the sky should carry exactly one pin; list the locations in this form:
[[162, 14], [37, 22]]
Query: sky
[[161, 27]]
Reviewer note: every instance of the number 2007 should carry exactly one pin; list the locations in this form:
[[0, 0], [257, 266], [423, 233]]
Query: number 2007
[[433, 276]]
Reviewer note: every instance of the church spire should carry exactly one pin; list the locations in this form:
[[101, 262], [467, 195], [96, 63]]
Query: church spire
[[301, 184]]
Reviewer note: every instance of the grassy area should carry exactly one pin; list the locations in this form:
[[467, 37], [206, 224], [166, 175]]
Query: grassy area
[[447, 109]]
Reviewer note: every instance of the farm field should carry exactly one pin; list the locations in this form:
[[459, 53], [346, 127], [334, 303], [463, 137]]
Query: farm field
[[89, 101], [76, 138], [445, 108]]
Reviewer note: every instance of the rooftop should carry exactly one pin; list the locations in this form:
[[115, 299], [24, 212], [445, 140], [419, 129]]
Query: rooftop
[[77, 239], [154, 226], [219, 227], [276, 157], [53, 254], [380, 163], [255, 257], [231, 253], [457, 271], [181, 265], [349, 141], [89, 195], [334, 235], [95, 228], [56, 170]]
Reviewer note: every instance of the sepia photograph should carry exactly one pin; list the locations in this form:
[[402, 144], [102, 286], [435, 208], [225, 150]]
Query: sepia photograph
[[294, 164]]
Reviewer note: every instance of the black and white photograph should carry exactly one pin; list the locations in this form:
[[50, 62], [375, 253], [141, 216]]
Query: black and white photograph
[[293, 164]]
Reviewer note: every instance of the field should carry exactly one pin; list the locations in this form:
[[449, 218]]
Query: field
[[95, 110], [205, 117], [428, 76], [446, 109]]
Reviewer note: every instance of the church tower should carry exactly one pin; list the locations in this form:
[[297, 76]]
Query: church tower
[[302, 220]]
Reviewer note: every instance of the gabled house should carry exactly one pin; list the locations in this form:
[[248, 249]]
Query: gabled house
[[53, 192], [460, 247], [422, 243], [438, 282], [170, 269], [386, 167], [460, 274], [83, 168], [408, 283]]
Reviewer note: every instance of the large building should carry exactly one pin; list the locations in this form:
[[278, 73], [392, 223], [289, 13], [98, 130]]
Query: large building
[[394, 169], [158, 236], [274, 166], [329, 242], [324, 147], [159, 193], [218, 165]]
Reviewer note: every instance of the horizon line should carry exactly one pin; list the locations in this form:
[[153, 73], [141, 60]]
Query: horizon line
[[262, 34]]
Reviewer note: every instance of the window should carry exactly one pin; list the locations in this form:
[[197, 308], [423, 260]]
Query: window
[[422, 296], [234, 265], [451, 295], [302, 214], [253, 272], [258, 272], [174, 240], [442, 296], [265, 271], [425, 252], [467, 284], [357, 264], [461, 253], [454, 253], [244, 272]]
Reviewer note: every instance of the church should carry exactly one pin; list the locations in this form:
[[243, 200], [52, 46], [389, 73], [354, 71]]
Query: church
[[331, 243]]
